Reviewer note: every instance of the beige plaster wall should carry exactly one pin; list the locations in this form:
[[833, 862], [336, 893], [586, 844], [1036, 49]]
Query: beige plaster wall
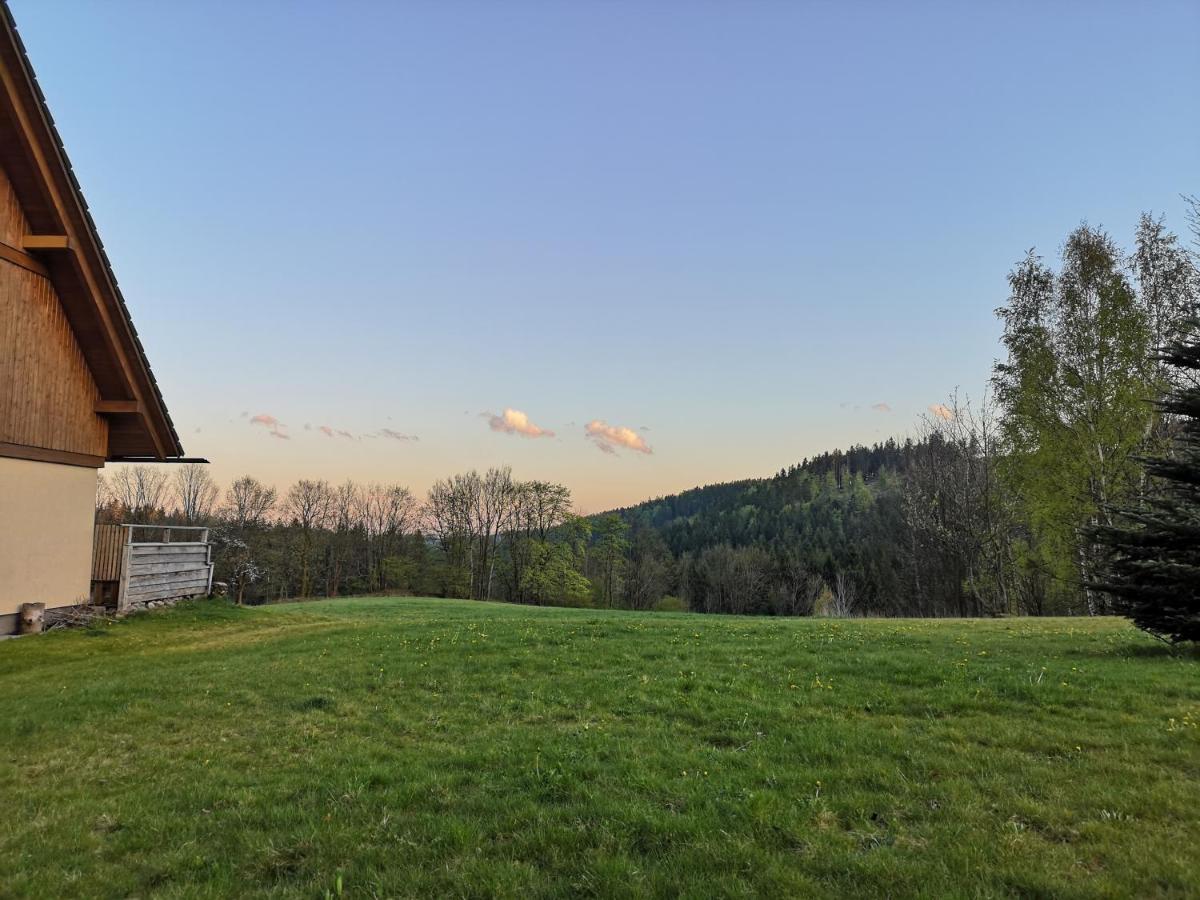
[[46, 516]]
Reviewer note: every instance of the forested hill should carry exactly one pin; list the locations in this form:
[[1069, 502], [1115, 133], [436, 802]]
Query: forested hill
[[838, 517], [741, 512]]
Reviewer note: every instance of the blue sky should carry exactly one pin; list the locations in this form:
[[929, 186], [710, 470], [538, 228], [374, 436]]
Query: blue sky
[[731, 228]]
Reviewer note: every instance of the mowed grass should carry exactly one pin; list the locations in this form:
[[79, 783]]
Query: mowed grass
[[407, 747]]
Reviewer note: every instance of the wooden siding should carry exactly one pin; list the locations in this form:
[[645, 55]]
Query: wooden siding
[[107, 547], [13, 225], [47, 395], [164, 571]]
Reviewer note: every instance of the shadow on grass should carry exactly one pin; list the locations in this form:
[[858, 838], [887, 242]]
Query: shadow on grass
[[1158, 650]]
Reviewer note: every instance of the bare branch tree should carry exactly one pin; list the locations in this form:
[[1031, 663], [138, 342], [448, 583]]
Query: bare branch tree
[[248, 502], [140, 490], [468, 514], [386, 512], [307, 505], [195, 492], [844, 602]]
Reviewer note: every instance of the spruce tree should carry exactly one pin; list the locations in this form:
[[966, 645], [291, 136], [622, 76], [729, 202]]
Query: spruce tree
[[1153, 549]]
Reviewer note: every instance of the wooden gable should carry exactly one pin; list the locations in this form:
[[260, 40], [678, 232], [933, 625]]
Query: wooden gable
[[74, 378]]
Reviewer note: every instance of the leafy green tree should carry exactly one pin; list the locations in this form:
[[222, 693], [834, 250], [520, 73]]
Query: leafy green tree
[[1073, 393], [1153, 547], [552, 577], [538, 508]]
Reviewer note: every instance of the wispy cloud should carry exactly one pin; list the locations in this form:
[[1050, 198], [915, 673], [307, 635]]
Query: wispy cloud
[[610, 438], [881, 407], [513, 421], [345, 434], [281, 435], [397, 436], [272, 424], [943, 412], [325, 430]]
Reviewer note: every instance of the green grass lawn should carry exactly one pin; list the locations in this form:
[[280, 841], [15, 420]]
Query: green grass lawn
[[445, 748]]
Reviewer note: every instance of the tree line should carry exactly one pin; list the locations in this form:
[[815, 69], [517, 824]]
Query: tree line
[[483, 536]]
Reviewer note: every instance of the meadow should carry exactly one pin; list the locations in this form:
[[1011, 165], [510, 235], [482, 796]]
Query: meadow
[[411, 747]]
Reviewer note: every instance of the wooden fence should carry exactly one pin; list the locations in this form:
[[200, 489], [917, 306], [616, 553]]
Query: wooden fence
[[108, 548], [177, 564]]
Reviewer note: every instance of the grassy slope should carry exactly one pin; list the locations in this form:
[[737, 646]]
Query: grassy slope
[[419, 747]]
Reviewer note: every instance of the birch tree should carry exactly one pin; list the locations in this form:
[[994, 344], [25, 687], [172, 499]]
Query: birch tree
[[1073, 390]]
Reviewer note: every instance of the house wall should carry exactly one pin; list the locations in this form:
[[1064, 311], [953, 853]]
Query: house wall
[[46, 516], [47, 393]]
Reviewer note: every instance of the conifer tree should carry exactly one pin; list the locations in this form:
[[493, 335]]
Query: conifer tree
[[1153, 559]]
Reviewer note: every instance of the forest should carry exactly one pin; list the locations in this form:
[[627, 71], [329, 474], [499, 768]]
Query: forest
[[1019, 502]]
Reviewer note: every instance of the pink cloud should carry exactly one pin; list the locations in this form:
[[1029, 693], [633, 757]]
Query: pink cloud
[[513, 421], [608, 438], [943, 412], [325, 430], [397, 436], [272, 424], [881, 407]]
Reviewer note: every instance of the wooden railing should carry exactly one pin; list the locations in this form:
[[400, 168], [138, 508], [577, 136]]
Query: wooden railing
[[164, 532]]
